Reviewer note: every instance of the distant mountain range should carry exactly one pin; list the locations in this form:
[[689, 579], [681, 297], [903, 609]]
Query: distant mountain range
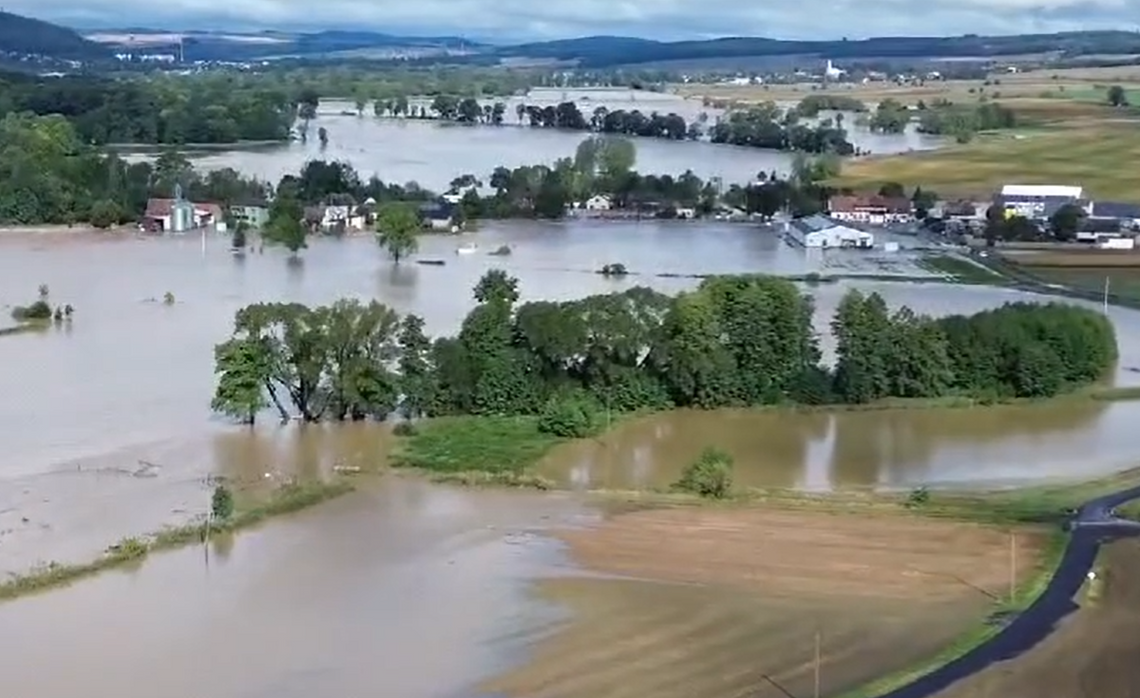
[[22, 36], [606, 51], [249, 46], [29, 36]]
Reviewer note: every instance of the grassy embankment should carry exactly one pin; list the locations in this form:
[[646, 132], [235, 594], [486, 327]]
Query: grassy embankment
[[250, 512]]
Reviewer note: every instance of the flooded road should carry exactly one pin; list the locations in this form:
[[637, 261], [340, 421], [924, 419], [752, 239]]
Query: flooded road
[[433, 153], [403, 590]]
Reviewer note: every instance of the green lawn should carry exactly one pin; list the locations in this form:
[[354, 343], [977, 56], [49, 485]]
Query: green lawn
[[1100, 157]]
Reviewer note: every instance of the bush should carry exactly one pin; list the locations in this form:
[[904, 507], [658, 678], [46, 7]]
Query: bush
[[40, 310], [571, 417], [222, 503], [918, 497], [104, 214], [709, 476], [404, 429]]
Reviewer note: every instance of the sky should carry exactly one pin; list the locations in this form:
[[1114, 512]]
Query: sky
[[523, 20]]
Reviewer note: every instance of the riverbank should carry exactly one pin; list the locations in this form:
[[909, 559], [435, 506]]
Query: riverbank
[[252, 510]]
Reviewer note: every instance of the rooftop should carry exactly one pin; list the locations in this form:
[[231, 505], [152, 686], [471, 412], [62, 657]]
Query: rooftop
[[1042, 190]]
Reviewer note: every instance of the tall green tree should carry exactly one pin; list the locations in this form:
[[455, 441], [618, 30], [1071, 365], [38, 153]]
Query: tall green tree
[[397, 230]]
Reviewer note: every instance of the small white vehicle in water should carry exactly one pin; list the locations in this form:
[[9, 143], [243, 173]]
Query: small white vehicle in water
[[468, 248]]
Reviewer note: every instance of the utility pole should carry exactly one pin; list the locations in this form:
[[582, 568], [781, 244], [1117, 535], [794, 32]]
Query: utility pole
[[1106, 280], [818, 643], [1013, 565]]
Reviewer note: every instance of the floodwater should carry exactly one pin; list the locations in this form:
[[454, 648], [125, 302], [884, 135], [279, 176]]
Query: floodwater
[[398, 591], [432, 153], [401, 590]]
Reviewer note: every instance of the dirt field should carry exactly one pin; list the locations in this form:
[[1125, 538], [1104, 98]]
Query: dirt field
[[1094, 652], [1095, 155], [709, 601]]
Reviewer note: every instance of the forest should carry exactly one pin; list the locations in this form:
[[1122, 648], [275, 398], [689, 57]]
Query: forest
[[734, 341], [156, 110]]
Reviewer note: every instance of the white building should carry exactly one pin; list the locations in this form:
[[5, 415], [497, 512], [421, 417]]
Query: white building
[[600, 202], [821, 232], [1037, 201]]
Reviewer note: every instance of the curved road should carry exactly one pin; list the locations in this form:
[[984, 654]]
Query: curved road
[[1095, 523]]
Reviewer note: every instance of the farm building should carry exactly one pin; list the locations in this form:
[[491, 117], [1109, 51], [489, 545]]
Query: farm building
[[823, 232], [1038, 201]]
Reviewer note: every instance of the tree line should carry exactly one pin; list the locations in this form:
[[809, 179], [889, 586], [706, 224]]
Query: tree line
[[154, 110], [763, 126], [734, 341]]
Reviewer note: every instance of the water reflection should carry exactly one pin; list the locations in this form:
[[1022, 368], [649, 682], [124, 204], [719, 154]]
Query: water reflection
[[877, 448]]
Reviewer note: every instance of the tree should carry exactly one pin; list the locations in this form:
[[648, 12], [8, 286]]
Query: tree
[[397, 230], [222, 503], [243, 370], [1066, 221], [104, 214], [416, 375], [284, 226], [1117, 97]]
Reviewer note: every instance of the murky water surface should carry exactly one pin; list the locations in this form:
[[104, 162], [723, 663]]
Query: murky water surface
[[405, 590], [402, 590]]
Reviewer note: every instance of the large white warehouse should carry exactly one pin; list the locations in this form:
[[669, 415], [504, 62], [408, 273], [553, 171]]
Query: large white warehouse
[[1037, 201], [823, 232]]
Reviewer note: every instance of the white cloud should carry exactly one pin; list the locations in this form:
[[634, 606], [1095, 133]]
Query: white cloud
[[667, 19]]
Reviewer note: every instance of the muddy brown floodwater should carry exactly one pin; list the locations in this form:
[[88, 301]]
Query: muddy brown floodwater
[[107, 433]]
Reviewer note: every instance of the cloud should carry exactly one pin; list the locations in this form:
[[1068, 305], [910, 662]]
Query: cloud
[[663, 19]]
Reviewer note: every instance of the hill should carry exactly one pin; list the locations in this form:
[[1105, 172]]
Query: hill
[[26, 36], [247, 46], [606, 51]]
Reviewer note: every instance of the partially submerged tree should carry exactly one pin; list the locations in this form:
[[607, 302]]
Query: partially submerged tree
[[397, 230]]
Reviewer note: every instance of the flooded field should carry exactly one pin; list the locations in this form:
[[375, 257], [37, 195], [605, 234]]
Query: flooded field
[[433, 153], [409, 590], [402, 590]]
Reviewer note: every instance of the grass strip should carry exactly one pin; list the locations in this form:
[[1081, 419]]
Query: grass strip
[[961, 270], [474, 448], [285, 500]]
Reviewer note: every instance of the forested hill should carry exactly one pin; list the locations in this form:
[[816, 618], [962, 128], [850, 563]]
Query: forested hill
[[26, 36], [604, 51]]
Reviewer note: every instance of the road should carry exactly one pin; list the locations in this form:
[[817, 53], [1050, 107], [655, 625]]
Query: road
[[1094, 523]]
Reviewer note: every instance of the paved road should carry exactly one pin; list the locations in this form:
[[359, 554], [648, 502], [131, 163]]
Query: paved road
[[1094, 524]]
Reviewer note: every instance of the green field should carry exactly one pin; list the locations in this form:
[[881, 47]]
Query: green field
[[1098, 156]]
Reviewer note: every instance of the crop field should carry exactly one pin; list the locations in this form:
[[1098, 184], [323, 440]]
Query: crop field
[[1098, 156], [710, 601], [1089, 85], [1092, 654]]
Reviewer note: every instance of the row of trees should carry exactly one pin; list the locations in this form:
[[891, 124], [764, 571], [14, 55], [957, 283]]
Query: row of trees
[[763, 126], [155, 110], [740, 340]]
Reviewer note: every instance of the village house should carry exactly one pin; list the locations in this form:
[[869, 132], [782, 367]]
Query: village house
[[440, 215], [339, 218], [255, 214], [598, 202], [178, 215], [872, 210]]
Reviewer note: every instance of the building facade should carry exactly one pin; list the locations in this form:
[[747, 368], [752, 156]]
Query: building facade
[[873, 210]]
